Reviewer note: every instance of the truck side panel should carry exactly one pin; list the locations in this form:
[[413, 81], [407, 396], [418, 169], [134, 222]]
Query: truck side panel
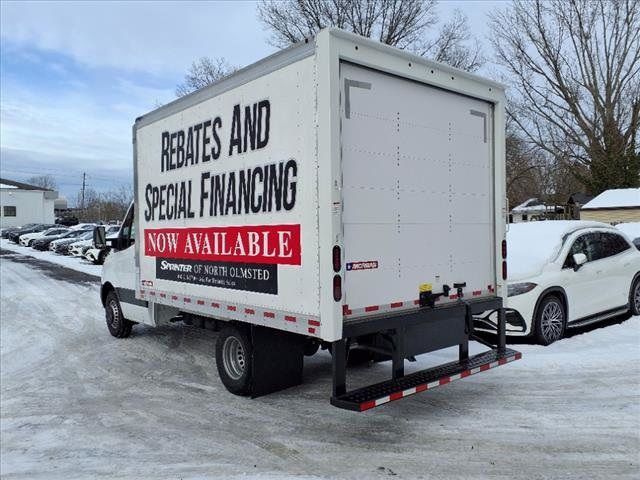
[[215, 236]]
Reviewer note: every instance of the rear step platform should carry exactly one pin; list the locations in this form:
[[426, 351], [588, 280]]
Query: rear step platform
[[380, 393]]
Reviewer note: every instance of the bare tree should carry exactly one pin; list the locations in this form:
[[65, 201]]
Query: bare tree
[[575, 71], [455, 46], [203, 72], [405, 24], [105, 206], [43, 181]]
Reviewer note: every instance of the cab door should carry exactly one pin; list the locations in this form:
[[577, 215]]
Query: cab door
[[120, 270]]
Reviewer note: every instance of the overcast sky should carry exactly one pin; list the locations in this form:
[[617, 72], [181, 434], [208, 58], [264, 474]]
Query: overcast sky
[[74, 76]]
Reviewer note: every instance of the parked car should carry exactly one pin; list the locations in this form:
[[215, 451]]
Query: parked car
[[67, 220], [27, 239], [9, 230], [61, 245], [44, 242], [39, 227], [80, 248], [84, 226], [565, 274], [98, 255]]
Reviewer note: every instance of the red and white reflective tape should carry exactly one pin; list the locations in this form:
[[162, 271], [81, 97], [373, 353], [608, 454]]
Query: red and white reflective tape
[[305, 324], [405, 304], [436, 383]]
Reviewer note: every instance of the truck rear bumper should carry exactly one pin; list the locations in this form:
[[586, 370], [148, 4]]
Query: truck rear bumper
[[404, 335], [380, 393]]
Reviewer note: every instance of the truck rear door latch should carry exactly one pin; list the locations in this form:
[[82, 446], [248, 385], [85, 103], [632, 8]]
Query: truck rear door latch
[[428, 298]]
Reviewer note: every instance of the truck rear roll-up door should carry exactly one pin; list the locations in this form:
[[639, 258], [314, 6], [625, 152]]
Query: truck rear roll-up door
[[417, 190]]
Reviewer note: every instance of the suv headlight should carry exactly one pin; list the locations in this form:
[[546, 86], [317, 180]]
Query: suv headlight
[[520, 288]]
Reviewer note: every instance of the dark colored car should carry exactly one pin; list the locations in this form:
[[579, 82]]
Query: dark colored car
[[39, 227], [67, 220], [7, 231], [43, 243]]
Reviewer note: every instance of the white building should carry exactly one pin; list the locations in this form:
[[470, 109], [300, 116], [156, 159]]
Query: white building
[[21, 203]]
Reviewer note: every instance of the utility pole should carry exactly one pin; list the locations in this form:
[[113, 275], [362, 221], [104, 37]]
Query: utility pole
[[84, 177]]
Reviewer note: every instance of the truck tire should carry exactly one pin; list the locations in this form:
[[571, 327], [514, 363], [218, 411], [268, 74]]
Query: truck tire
[[118, 326], [233, 359], [634, 297], [550, 320]]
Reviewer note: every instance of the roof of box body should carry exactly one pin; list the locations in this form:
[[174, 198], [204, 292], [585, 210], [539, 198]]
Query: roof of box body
[[285, 57]]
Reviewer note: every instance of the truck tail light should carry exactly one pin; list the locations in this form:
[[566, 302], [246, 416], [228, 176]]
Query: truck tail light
[[504, 249], [504, 269], [337, 264], [337, 288]]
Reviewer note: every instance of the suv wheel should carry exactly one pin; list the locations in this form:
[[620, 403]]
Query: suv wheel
[[634, 298], [551, 320]]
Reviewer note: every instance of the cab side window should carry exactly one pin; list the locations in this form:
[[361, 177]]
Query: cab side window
[[127, 232]]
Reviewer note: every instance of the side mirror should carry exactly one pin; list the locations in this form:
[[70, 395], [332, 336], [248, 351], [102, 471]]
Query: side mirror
[[579, 259], [99, 237]]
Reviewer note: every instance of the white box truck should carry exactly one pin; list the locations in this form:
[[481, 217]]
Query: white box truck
[[340, 194]]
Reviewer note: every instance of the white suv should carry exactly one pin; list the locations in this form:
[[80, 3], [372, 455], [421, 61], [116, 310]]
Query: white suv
[[564, 274]]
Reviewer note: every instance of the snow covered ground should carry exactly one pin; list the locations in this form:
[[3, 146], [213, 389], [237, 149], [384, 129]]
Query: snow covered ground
[[77, 403], [74, 263]]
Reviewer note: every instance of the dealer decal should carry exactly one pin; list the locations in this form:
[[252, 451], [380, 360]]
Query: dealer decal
[[262, 278], [255, 244], [362, 265]]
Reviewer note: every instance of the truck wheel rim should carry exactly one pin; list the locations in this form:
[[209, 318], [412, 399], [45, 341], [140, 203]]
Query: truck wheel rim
[[636, 297], [233, 357], [551, 321], [113, 314]]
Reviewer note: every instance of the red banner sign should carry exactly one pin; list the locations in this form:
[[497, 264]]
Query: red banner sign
[[266, 244]]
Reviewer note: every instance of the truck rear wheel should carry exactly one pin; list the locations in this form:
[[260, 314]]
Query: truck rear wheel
[[118, 326], [233, 359]]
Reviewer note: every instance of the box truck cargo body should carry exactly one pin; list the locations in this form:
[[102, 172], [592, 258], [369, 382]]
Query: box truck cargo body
[[340, 193]]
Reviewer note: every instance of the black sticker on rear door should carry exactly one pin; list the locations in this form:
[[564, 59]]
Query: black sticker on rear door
[[362, 265]]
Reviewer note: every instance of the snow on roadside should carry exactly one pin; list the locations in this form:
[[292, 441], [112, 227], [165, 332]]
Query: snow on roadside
[[73, 263]]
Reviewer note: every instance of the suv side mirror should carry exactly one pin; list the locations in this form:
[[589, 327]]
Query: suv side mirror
[[99, 237], [579, 259]]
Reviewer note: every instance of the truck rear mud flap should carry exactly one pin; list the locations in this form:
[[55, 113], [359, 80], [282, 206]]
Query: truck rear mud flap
[[380, 393]]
